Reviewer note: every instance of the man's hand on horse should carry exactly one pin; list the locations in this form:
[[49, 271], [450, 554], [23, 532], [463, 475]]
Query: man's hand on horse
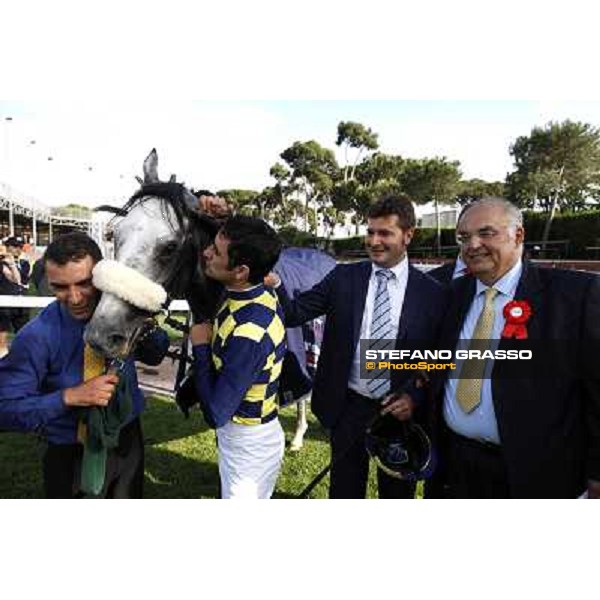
[[215, 206], [95, 392], [201, 333], [272, 280], [400, 406]]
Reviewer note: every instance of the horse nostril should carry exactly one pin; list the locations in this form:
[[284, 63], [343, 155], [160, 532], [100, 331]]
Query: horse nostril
[[116, 339]]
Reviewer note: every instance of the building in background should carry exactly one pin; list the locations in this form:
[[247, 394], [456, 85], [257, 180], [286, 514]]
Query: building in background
[[38, 224]]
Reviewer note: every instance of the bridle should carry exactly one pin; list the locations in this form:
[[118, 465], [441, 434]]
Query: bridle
[[196, 229]]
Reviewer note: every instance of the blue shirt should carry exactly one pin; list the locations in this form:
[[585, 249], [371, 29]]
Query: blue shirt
[[460, 268], [481, 423], [45, 358]]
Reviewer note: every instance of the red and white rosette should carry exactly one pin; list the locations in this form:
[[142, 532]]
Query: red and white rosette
[[516, 313]]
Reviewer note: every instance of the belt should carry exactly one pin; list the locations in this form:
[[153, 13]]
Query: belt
[[477, 444], [368, 399]]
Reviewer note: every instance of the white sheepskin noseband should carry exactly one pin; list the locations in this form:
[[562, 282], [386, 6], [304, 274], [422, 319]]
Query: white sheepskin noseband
[[128, 284]]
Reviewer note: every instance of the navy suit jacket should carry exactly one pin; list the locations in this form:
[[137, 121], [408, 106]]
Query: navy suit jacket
[[341, 296], [444, 273], [549, 426]]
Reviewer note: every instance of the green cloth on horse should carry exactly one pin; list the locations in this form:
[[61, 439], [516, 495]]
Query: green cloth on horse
[[103, 427]]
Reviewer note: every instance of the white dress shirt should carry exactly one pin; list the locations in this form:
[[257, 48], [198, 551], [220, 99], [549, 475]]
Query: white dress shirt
[[396, 290], [480, 424]]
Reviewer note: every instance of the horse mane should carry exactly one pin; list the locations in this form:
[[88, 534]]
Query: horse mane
[[170, 193], [173, 194]]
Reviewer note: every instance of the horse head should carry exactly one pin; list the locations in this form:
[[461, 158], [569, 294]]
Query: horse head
[[158, 237]]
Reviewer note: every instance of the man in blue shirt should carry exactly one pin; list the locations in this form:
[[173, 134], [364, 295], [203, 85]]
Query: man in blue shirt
[[42, 383]]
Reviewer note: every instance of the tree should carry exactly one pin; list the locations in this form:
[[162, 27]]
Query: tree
[[380, 167], [354, 135], [74, 210], [280, 174], [374, 177], [470, 190], [269, 204], [244, 201], [557, 166], [313, 171], [431, 180], [284, 208]]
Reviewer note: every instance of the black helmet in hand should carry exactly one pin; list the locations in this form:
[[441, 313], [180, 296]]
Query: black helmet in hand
[[401, 449]]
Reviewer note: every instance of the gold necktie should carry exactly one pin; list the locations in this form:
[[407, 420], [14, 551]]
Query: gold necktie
[[93, 366], [93, 363], [468, 391]]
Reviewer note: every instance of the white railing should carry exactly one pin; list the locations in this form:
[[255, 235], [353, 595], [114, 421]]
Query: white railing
[[42, 301], [175, 306]]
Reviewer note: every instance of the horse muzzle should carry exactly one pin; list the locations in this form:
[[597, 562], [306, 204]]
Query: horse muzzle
[[129, 285]]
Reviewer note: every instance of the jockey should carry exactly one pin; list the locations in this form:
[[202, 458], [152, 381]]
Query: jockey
[[53, 384], [238, 365], [10, 279]]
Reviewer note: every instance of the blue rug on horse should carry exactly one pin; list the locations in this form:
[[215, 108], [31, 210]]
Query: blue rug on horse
[[300, 269]]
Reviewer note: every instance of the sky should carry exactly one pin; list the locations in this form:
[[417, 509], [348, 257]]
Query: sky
[[221, 89], [98, 147]]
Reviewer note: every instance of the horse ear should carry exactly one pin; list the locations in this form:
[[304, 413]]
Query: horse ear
[[139, 180], [172, 179], [151, 167], [190, 201]]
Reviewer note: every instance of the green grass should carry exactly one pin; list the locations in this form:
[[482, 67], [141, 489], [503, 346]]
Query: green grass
[[174, 334], [181, 458]]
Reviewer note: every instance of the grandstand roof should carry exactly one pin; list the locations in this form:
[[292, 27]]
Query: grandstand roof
[[27, 206]]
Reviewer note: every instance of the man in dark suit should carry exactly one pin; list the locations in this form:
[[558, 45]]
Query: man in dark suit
[[351, 296], [454, 269], [537, 436], [449, 271]]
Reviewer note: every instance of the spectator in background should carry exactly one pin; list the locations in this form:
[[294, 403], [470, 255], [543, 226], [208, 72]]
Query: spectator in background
[[449, 271], [10, 280], [39, 279], [14, 245], [452, 270]]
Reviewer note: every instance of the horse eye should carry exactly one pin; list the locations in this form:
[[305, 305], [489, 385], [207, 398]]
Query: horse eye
[[167, 250]]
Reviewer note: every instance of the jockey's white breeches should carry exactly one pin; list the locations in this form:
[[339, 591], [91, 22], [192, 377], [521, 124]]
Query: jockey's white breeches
[[250, 459]]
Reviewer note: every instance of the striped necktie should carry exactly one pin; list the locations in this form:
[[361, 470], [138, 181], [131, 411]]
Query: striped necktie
[[381, 332], [468, 390]]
